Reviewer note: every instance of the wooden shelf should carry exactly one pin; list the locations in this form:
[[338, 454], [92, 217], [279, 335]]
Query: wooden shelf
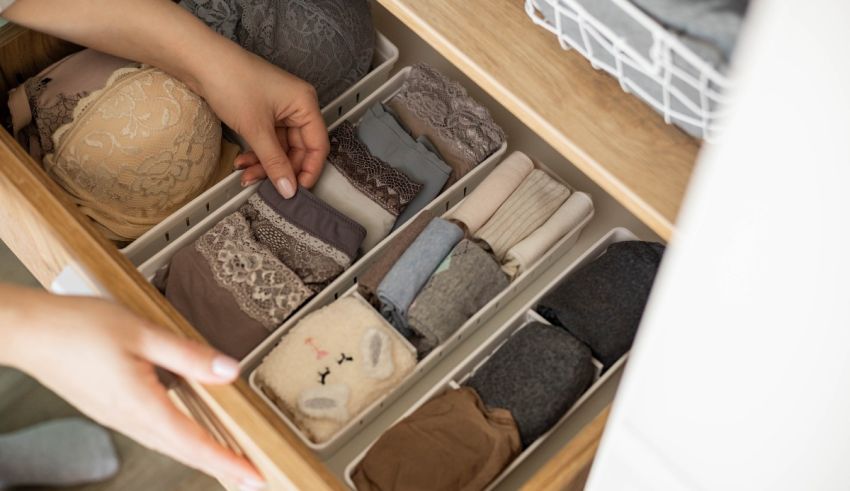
[[613, 137]]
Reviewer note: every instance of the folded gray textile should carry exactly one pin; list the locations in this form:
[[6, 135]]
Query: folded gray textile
[[412, 270], [602, 303], [328, 43], [537, 375], [464, 282], [388, 141]]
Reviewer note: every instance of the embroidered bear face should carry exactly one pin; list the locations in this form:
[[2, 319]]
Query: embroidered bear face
[[333, 364]]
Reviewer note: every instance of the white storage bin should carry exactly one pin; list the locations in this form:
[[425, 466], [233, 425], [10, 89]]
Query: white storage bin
[[448, 198], [159, 236], [483, 315], [663, 71], [457, 377]]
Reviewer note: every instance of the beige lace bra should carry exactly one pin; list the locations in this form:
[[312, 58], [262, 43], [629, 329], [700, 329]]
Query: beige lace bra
[[136, 150]]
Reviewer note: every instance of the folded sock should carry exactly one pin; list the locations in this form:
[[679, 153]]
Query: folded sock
[[463, 283], [332, 365], [388, 141], [527, 208], [412, 270], [452, 442], [65, 452], [529, 250], [481, 203], [537, 375], [602, 303], [368, 282]]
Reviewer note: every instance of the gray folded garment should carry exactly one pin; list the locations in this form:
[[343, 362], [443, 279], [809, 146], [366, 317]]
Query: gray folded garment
[[537, 375], [388, 141], [464, 282], [412, 270], [328, 43], [602, 303], [313, 239]]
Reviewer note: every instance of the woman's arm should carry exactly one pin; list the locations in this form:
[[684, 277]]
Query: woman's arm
[[101, 358], [267, 106]]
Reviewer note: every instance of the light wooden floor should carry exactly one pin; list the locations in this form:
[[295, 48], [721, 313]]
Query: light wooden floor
[[23, 402]]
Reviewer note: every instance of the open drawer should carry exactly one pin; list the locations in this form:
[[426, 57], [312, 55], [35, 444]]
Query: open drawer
[[44, 229]]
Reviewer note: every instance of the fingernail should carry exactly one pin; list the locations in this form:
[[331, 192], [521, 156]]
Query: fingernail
[[251, 485], [245, 184], [285, 187], [225, 367]]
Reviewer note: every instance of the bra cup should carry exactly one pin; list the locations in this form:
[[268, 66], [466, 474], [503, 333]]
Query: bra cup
[[136, 151]]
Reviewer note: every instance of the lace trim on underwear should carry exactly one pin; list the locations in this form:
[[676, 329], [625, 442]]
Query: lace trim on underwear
[[458, 119], [302, 236], [263, 287], [385, 185], [48, 118]]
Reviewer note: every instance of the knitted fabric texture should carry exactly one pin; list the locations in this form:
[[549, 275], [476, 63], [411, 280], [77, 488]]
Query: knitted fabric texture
[[136, 151], [602, 303], [450, 443], [429, 104], [328, 43], [533, 202], [388, 141], [521, 257], [483, 201], [537, 375], [333, 364], [412, 270], [368, 282], [463, 283]]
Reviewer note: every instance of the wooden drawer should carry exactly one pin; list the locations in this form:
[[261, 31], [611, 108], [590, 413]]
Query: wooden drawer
[[44, 229]]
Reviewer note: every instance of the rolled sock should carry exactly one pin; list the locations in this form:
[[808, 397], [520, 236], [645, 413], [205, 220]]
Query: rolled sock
[[453, 442], [412, 270], [527, 251], [533, 202], [463, 283], [333, 364], [388, 141], [368, 282], [64, 452], [537, 375], [479, 206], [602, 303]]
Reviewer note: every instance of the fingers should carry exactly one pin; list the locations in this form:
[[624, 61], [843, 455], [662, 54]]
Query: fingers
[[272, 157], [183, 439], [313, 135], [253, 175], [190, 359]]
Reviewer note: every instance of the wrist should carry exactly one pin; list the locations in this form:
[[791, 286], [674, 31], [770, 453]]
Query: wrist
[[20, 321]]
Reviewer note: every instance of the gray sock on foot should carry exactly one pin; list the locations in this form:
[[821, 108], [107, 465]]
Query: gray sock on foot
[[63, 452]]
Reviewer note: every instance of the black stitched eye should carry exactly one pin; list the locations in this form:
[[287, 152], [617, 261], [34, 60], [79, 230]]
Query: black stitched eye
[[324, 375], [343, 358]]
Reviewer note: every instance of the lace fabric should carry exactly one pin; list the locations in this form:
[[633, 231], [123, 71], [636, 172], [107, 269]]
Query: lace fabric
[[135, 151], [387, 186], [314, 261], [263, 287], [328, 43], [463, 130]]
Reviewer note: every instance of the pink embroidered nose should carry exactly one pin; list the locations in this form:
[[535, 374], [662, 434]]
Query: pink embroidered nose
[[320, 353]]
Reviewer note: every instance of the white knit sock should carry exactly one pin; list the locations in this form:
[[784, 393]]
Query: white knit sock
[[63, 452]]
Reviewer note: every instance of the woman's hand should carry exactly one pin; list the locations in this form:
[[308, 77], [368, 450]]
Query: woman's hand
[[101, 358], [276, 113]]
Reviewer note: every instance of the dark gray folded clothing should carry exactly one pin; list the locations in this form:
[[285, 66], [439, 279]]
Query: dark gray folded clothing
[[602, 303], [464, 282], [537, 375]]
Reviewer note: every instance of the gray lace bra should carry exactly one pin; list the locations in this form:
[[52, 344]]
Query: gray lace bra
[[328, 43]]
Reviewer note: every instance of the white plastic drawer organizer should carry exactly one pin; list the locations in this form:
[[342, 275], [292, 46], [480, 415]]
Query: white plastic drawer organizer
[[341, 284], [457, 377], [349, 279], [651, 62], [158, 237]]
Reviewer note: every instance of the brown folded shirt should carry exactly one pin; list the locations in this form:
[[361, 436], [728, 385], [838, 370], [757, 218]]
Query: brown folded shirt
[[450, 443], [369, 281]]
